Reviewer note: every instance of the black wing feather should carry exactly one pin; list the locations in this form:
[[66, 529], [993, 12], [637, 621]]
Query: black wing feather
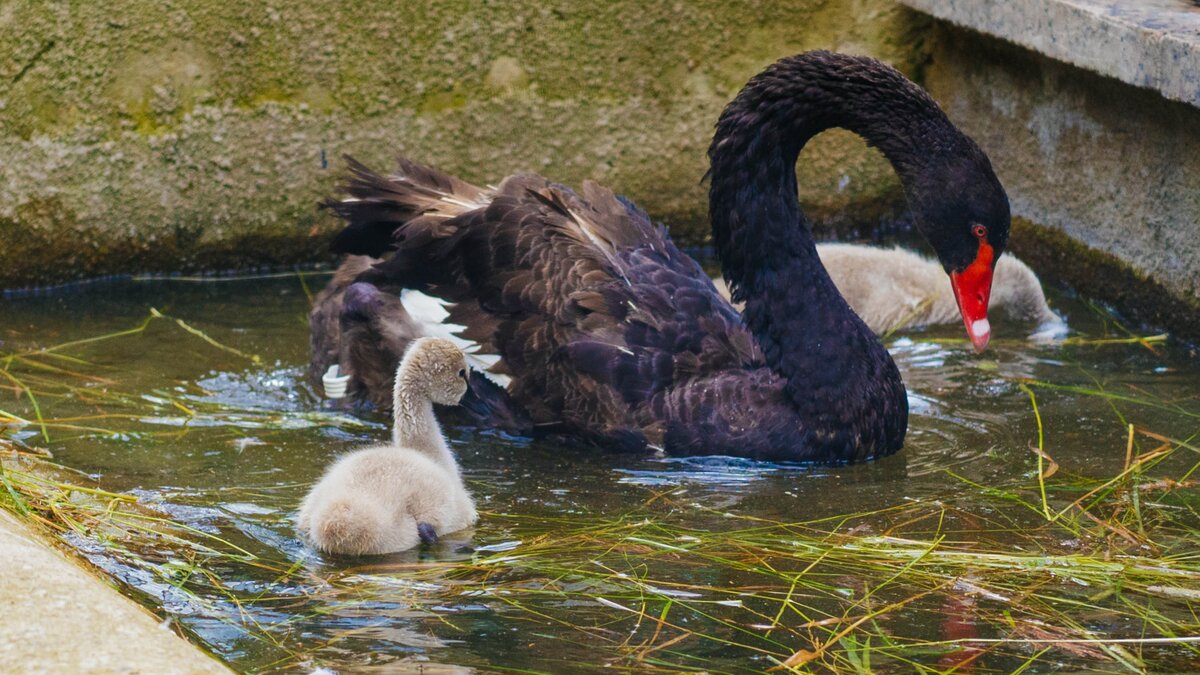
[[591, 307]]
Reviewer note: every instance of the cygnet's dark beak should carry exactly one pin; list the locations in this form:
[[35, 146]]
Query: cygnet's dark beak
[[472, 401], [427, 534]]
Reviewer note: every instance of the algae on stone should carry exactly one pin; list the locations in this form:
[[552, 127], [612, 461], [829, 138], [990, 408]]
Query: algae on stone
[[140, 136]]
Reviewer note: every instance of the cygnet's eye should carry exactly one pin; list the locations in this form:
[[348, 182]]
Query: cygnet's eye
[[462, 372]]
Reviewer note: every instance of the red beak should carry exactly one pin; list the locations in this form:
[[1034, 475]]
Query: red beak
[[972, 288]]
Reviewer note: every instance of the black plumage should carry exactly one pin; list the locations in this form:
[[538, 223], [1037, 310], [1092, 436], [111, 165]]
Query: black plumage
[[612, 334], [366, 330]]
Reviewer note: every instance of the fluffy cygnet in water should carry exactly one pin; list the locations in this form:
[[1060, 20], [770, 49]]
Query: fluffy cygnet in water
[[389, 498], [897, 288]]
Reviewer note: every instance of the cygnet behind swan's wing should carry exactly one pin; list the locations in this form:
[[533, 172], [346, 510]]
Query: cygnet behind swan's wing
[[886, 288], [1017, 290], [896, 288], [889, 288]]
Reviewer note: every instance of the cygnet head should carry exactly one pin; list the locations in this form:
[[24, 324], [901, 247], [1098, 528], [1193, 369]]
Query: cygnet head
[[437, 367]]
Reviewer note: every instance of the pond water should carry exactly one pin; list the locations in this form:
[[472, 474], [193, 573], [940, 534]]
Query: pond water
[[940, 558]]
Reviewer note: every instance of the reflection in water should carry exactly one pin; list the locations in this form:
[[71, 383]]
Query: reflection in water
[[578, 555], [718, 473], [959, 627]]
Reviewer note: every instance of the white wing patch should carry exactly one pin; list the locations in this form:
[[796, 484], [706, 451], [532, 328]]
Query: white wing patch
[[431, 313]]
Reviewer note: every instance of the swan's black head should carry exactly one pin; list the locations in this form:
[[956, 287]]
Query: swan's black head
[[961, 208]]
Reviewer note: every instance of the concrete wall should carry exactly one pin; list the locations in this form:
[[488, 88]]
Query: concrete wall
[[1113, 167], [142, 135]]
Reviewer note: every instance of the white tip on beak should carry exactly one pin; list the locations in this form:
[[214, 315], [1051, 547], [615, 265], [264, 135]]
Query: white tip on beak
[[980, 332]]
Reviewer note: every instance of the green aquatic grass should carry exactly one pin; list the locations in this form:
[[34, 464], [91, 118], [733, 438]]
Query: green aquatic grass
[[119, 412], [1060, 566], [834, 593]]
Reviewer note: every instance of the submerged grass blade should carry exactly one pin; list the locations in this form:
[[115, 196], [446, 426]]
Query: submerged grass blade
[[33, 401], [253, 358], [156, 279], [304, 287], [1041, 450], [140, 328], [11, 418], [1086, 391], [18, 501]]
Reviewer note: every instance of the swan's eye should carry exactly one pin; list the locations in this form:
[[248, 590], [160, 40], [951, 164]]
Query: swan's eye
[[979, 231]]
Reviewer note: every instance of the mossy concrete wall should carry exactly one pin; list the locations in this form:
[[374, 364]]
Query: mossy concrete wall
[[1113, 167], [140, 135]]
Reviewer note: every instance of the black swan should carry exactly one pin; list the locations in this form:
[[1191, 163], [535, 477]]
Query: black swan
[[366, 330], [610, 334]]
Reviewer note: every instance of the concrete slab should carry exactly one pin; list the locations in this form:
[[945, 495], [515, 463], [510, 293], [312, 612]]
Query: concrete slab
[[1146, 43], [1111, 166], [57, 618]]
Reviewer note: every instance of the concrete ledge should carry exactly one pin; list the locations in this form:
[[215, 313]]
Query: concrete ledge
[[1110, 166], [1146, 43], [57, 618]]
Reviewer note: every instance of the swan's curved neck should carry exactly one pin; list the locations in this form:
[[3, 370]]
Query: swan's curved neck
[[836, 370], [757, 223], [415, 425]]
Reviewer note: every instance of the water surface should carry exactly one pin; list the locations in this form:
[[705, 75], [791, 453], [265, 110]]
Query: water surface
[[584, 560]]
